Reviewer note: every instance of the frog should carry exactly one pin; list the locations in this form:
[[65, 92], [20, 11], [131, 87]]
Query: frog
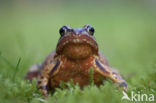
[[76, 53]]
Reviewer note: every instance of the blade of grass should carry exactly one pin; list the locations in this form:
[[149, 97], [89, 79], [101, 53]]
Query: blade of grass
[[10, 64], [91, 76], [17, 67]]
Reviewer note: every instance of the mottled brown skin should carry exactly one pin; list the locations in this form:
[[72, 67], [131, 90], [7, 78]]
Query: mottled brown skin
[[76, 52]]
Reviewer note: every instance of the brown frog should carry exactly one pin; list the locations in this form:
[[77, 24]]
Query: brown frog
[[76, 52]]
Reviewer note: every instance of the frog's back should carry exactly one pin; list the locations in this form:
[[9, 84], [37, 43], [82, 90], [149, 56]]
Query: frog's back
[[48, 59], [35, 69]]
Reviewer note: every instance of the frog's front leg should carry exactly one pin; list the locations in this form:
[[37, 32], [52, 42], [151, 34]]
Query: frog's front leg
[[45, 74], [108, 72]]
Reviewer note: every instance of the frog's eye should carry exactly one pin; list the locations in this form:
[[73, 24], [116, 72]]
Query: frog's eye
[[90, 29], [63, 30]]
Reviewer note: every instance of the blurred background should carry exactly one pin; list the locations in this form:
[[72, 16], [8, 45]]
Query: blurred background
[[125, 31]]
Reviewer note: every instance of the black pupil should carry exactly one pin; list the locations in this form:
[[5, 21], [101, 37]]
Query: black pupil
[[91, 29], [62, 31]]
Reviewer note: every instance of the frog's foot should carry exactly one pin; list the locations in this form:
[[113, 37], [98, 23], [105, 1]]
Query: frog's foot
[[46, 72], [108, 72], [33, 72]]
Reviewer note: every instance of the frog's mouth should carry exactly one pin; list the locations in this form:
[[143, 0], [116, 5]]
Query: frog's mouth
[[77, 46]]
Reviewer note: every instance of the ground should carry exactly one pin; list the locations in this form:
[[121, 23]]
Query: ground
[[126, 34]]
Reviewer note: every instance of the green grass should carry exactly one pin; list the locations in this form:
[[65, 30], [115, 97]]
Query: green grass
[[126, 34]]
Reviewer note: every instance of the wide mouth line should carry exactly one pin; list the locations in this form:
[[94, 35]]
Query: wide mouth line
[[78, 42]]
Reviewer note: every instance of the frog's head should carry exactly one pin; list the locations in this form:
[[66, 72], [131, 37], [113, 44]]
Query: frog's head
[[78, 43]]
